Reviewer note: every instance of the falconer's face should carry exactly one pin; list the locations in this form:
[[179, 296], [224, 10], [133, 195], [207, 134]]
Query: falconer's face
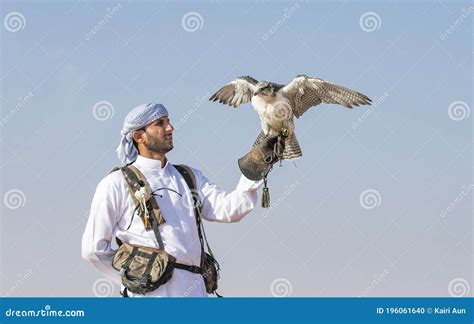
[[157, 136]]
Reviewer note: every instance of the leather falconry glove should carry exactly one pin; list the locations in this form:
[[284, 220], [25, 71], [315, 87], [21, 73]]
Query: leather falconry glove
[[256, 164]]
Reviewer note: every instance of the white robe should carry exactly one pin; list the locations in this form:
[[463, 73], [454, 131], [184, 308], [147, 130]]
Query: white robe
[[112, 209]]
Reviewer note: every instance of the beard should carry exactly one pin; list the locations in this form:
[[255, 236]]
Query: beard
[[159, 146]]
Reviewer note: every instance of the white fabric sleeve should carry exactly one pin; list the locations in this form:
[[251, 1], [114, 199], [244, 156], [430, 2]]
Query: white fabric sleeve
[[97, 237], [220, 206]]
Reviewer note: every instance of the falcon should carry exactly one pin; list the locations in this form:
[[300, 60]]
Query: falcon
[[278, 104]]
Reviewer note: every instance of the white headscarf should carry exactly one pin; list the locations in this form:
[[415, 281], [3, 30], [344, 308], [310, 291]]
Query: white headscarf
[[139, 117]]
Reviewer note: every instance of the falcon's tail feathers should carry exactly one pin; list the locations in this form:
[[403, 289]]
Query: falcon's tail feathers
[[292, 147]]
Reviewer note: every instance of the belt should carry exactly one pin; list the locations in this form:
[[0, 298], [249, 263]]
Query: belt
[[193, 269]]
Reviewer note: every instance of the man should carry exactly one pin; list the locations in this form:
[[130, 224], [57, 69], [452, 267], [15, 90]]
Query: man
[[147, 136]]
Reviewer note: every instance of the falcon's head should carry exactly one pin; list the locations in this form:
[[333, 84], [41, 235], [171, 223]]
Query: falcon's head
[[265, 89]]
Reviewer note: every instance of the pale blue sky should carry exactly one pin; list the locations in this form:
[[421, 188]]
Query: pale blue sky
[[318, 236]]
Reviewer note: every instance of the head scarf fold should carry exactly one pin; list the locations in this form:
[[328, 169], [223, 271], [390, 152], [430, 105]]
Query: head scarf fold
[[138, 118]]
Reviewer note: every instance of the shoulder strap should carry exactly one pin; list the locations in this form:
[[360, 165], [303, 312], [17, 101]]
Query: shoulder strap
[[133, 175], [114, 169], [190, 179], [133, 182], [188, 175], [119, 242], [136, 181]]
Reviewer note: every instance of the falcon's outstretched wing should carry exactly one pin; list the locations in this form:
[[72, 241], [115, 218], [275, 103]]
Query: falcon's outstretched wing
[[236, 92], [305, 92]]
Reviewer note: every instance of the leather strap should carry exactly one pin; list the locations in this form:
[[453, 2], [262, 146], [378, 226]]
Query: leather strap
[[136, 181], [193, 269], [190, 179]]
